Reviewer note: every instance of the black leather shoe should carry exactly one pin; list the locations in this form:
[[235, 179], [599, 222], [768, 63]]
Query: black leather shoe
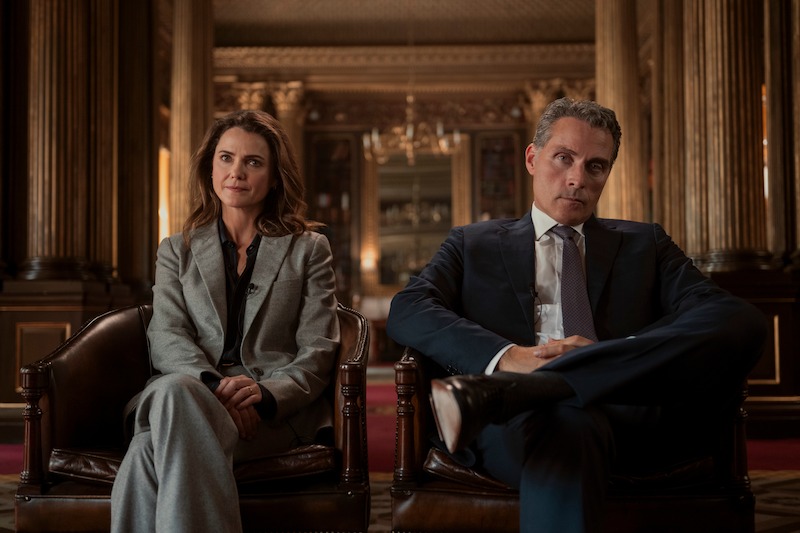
[[464, 405]]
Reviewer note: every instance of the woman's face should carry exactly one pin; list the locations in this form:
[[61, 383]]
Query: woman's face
[[242, 171]]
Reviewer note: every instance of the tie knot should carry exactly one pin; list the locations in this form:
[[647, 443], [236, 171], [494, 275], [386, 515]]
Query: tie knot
[[565, 232]]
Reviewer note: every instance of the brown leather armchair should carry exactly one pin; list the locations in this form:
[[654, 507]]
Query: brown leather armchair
[[430, 492], [74, 439]]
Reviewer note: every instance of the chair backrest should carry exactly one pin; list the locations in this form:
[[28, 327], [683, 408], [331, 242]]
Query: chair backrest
[[107, 354]]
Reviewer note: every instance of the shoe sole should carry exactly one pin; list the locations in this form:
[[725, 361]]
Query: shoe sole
[[446, 414]]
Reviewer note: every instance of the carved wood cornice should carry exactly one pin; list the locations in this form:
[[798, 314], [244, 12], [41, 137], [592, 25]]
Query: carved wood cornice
[[357, 87], [340, 111], [435, 68]]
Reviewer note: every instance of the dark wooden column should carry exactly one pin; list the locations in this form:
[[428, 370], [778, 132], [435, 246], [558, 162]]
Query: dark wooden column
[[70, 237], [72, 141], [774, 403], [142, 94]]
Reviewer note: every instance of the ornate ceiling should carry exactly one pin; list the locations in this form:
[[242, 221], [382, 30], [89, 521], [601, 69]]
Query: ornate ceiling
[[395, 22], [469, 50]]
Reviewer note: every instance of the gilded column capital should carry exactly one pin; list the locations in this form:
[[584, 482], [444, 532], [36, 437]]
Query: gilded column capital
[[540, 94], [288, 97], [251, 95], [581, 89]]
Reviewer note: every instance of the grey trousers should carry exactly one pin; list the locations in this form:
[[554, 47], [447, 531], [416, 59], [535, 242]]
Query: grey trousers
[[177, 475]]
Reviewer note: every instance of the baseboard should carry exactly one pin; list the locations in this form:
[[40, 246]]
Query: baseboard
[[772, 418]]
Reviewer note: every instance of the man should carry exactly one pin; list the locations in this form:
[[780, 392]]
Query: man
[[557, 379]]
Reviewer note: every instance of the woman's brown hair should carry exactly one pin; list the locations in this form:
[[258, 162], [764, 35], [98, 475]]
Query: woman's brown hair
[[284, 209]]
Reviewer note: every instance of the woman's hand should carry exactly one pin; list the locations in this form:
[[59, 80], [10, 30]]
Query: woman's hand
[[240, 395]]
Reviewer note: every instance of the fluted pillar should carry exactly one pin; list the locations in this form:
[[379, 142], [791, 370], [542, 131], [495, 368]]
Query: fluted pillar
[[695, 129], [288, 100], [3, 23], [794, 39], [72, 140], [103, 141], [617, 74], [724, 134], [669, 152], [777, 15], [191, 106]]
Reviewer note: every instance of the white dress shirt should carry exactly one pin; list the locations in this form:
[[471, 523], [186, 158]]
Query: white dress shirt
[[549, 324]]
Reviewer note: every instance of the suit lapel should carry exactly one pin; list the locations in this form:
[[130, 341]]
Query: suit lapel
[[517, 250], [207, 253], [602, 245], [271, 254]]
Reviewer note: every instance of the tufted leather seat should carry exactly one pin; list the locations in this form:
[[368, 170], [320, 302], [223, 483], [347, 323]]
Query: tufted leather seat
[[74, 440], [707, 491]]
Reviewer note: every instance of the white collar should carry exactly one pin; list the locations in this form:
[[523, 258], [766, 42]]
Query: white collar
[[542, 222]]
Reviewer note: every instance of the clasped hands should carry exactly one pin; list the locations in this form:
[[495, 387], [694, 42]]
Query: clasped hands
[[524, 359], [240, 395]]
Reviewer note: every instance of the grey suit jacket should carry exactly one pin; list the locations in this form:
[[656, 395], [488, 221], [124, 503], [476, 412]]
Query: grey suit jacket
[[291, 332]]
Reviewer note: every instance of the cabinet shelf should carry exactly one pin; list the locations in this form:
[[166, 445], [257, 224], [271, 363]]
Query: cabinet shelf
[[410, 231]]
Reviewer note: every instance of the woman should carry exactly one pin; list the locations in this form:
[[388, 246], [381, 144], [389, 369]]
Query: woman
[[243, 333]]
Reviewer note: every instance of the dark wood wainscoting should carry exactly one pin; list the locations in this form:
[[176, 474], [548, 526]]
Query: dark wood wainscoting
[[773, 404]]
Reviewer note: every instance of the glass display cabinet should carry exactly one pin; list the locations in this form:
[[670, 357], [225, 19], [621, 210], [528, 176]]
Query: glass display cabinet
[[408, 211]]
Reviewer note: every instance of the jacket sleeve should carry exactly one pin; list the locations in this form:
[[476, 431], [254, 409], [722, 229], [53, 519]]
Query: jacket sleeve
[[172, 333], [299, 370], [427, 314]]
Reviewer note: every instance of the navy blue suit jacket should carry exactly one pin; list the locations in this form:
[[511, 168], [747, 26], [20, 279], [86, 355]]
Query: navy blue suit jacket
[[658, 318]]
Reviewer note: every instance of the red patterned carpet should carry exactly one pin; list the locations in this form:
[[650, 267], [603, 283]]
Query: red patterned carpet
[[381, 410], [773, 454], [774, 471], [10, 458]]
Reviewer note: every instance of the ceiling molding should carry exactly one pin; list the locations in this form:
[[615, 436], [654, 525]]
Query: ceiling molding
[[390, 68]]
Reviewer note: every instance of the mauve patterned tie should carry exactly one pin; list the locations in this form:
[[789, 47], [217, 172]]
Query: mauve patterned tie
[[575, 306]]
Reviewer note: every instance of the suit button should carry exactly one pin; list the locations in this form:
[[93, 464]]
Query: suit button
[[258, 372]]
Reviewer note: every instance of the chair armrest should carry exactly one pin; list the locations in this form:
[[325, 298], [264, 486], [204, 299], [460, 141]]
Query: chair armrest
[[413, 373], [737, 448], [75, 396], [350, 414], [414, 418]]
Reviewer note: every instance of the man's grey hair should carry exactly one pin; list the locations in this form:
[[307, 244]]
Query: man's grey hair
[[590, 112]]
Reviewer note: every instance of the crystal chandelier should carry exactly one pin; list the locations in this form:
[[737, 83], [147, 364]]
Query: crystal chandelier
[[410, 136]]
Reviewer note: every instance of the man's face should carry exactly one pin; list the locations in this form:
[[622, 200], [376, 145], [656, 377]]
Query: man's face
[[570, 171]]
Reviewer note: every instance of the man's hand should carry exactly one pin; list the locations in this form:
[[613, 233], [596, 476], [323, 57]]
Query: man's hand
[[239, 395], [524, 359]]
